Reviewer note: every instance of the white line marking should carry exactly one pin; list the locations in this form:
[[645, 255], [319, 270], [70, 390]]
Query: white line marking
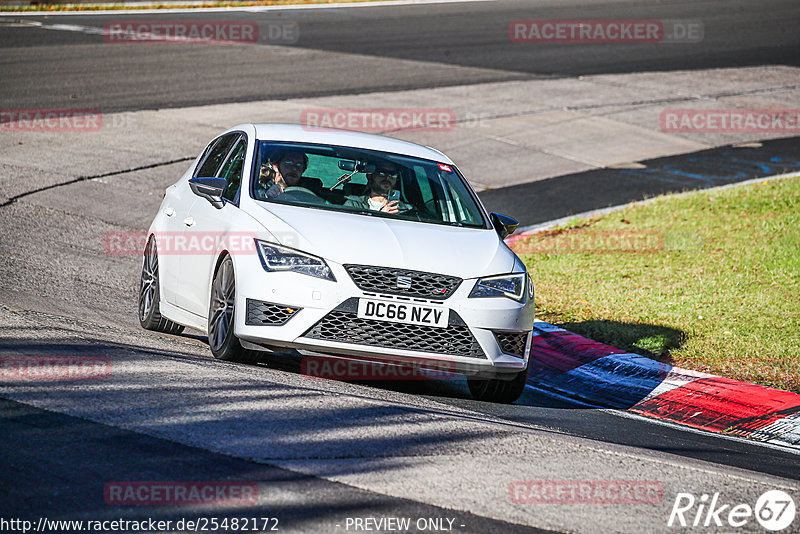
[[793, 449], [676, 378], [784, 431], [246, 9], [663, 422]]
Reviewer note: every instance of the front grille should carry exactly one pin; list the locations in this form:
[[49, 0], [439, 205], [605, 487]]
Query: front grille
[[268, 314], [344, 326], [512, 342], [385, 280]]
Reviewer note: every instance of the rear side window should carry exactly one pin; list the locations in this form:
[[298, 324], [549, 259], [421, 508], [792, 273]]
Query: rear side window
[[218, 150]]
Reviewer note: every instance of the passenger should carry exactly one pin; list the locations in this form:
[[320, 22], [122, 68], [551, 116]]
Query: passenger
[[380, 185]]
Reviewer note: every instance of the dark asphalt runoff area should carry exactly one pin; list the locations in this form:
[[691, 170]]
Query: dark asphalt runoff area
[[546, 200]]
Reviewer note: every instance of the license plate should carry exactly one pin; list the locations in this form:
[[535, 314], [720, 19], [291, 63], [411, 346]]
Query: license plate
[[401, 312]]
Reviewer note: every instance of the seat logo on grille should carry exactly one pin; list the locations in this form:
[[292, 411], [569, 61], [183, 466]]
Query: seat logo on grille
[[403, 282]]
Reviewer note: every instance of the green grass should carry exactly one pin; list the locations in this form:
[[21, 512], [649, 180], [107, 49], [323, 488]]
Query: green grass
[[708, 281]]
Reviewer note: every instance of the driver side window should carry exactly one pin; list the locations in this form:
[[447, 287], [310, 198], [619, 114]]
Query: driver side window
[[231, 170], [216, 153]]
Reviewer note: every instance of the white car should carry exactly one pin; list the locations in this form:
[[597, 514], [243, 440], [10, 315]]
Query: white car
[[286, 238]]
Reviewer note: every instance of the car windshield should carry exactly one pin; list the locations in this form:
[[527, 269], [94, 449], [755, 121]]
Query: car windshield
[[365, 182]]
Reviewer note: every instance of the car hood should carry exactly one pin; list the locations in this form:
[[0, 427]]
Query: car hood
[[360, 239]]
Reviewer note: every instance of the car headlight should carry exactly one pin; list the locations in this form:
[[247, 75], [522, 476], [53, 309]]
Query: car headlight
[[507, 285], [279, 258]]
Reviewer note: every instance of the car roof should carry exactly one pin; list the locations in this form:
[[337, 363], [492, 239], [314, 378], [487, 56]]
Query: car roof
[[331, 136]]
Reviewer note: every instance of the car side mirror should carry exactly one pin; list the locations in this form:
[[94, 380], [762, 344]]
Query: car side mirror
[[210, 189], [503, 224]]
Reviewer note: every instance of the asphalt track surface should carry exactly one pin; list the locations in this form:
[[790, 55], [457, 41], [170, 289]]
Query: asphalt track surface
[[351, 51], [410, 47], [49, 483]]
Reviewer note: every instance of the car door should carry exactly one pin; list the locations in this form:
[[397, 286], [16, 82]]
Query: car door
[[178, 201], [207, 224]]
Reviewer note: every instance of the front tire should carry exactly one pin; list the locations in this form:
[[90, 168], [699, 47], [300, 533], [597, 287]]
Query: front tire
[[221, 311], [497, 389], [150, 294]]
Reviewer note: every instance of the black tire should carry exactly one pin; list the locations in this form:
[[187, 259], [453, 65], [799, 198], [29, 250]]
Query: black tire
[[223, 343], [149, 295], [497, 389]]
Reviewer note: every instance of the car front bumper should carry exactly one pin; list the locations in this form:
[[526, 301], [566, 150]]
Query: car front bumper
[[484, 336]]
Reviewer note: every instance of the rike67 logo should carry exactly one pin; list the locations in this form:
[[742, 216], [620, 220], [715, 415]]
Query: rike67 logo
[[774, 510]]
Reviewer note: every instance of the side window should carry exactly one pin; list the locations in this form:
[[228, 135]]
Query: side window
[[231, 170], [424, 184], [215, 156]]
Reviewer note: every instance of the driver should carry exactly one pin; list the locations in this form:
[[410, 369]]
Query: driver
[[291, 164], [280, 177], [380, 185]]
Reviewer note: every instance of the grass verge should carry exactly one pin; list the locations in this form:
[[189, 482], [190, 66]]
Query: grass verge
[[708, 281]]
